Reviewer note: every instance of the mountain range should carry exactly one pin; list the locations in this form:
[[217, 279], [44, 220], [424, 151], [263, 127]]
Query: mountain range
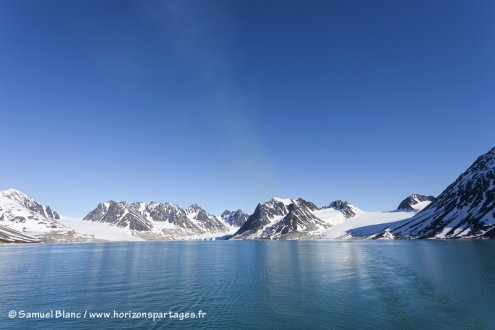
[[465, 209]]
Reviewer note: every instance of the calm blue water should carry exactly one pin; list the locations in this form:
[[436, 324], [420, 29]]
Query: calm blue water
[[254, 284]]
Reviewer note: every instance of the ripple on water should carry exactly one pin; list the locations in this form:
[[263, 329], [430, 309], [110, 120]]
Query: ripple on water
[[259, 284]]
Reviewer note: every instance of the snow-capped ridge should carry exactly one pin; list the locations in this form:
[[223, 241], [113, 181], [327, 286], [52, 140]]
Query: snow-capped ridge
[[282, 219], [194, 208], [415, 202], [21, 215], [285, 201], [28, 202], [465, 209], [346, 207], [234, 218], [15, 194], [157, 220]]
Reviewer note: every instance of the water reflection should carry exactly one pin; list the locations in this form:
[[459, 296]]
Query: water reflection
[[256, 284]]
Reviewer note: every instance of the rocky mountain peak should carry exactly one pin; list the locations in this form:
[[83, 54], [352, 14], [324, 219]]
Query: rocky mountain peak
[[194, 208], [466, 208], [29, 203], [234, 218], [346, 207], [281, 218], [415, 202]]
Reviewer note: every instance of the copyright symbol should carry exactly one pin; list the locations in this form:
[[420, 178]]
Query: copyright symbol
[[12, 314]]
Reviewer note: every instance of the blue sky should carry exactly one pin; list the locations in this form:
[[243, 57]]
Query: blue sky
[[228, 103]]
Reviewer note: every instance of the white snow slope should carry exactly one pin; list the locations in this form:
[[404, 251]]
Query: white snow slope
[[364, 224], [99, 230]]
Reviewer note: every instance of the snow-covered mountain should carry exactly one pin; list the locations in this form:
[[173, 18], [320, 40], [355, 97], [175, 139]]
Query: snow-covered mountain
[[22, 219], [415, 202], [12, 201], [120, 214], [345, 207], [365, 224], [283, 219], [207, 222], [465, 209], [234, 218], [158, 220], [264, 215]]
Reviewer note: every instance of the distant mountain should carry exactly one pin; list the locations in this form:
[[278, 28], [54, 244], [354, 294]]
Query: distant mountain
[[465, 209], [120, 214], [207, 222], [299, 223], [415, 202], [15, 197], [157, 220], [234, 218], [20, 212], [282, 219], [264, 215], [347, 209], [22, 219]]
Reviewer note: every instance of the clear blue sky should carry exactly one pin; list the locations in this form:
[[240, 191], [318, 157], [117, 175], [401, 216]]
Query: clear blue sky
[[229, 103]]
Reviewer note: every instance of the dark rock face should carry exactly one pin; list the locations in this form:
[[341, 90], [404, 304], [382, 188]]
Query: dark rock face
[[282, 220], [234, 218], [168, 212], [299, 222], [310, 206], [254, 222], [263, 215], [347, 209], [408, 203], [98, 213], [466, 208]]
